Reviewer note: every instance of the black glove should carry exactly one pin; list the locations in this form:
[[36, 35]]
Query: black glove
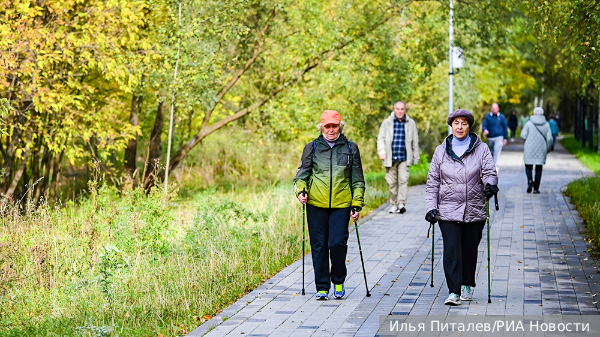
[[431, 216], [355, 209], [490, 190]]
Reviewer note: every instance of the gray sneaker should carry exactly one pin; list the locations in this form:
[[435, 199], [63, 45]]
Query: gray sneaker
[[466, 293], [453, 299], [394, 209]]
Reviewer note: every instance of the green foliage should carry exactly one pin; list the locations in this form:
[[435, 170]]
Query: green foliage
[[589, 158], [584, 195], [573, 25]]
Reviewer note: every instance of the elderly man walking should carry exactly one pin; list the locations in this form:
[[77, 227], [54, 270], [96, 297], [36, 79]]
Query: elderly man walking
[[495, 128], [398, 148]]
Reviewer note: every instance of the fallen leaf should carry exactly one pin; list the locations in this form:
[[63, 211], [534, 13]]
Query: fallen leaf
[[346, 260]]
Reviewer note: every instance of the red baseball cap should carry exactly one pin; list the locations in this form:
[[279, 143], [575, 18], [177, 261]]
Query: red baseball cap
[[330, 117]]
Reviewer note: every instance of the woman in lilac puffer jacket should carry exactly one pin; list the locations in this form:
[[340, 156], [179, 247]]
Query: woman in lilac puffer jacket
[[461, 177]]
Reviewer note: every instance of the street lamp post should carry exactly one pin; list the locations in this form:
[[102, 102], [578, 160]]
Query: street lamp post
[[455, 61], [450, 69]]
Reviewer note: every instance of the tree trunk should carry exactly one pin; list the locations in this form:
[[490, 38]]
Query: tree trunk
[[56, 168], [11, 150], [19, 172], [131, 150], [155, 147], [47, 168]]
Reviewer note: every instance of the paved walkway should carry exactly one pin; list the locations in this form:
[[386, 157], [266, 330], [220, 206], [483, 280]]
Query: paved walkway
[[541, 266]]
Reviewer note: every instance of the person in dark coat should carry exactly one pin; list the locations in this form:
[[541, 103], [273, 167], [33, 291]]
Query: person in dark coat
[[513, 122]]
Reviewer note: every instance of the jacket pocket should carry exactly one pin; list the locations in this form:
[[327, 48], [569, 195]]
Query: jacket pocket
[[344, 159]]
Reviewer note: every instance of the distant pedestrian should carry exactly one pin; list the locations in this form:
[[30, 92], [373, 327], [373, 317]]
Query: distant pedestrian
[[455, 195], [554, 129], [495, 128], [512, 124], [538, 141], [330, 182], [523, 120], [398, 148]]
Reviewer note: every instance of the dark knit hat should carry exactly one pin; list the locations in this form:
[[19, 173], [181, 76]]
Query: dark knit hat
[[462, 113]]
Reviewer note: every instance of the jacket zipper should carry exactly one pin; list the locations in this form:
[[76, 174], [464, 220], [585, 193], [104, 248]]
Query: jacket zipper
[[330, 174], [466, 194]]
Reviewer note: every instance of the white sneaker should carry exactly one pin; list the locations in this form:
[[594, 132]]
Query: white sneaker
[[466, 293], [394, 209], [453, 299]]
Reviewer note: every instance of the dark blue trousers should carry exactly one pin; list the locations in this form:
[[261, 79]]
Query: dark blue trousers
[[328, 231]]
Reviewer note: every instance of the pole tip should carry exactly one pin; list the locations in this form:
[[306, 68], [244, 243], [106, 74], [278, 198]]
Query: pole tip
[[368, 294], [303, 292]]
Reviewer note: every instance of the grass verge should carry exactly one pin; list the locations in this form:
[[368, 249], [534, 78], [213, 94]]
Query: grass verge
[[584, 195], [588, 157], [584, 192]]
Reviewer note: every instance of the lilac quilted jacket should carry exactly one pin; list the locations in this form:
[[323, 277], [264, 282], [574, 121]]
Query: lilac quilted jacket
[[455, 185]]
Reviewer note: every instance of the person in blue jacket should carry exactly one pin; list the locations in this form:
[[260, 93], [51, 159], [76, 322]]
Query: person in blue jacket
[[554, 129], [495, 128]]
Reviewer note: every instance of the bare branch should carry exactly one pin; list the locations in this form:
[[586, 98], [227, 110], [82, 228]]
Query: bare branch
[[255, 52]]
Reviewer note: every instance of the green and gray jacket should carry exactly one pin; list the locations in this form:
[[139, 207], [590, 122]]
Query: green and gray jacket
[[332, 176]]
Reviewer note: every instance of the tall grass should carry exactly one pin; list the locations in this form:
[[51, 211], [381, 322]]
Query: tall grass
[[135, 265]]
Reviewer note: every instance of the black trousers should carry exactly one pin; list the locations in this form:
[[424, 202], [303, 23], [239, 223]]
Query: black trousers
[[328, 231], [513, 132], [461, 240], [538, 175]]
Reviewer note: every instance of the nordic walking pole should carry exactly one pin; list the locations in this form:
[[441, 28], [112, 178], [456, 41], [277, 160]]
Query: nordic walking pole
[[488, 243], [361, 258], [432, 251], [432, 247], [303, 240]]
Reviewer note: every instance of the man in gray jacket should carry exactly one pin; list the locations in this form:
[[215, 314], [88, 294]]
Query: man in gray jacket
[[398, 148]]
